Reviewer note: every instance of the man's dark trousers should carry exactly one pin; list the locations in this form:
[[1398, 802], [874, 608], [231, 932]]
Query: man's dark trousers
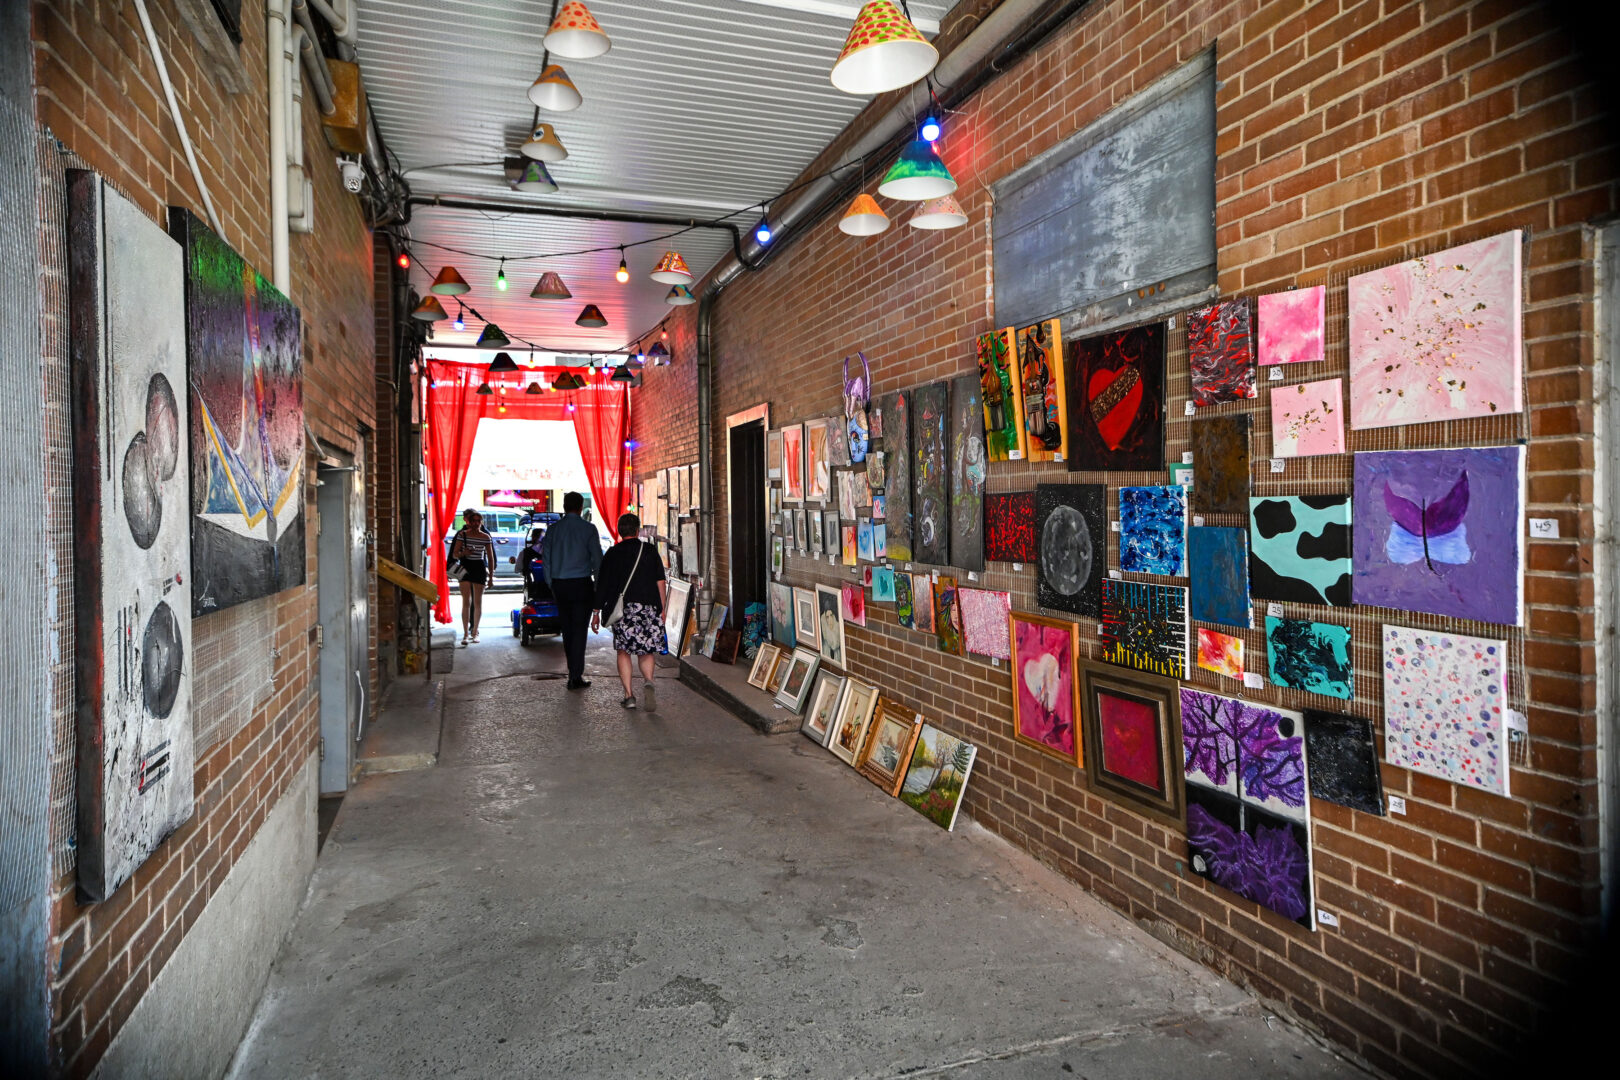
[[575, 598]]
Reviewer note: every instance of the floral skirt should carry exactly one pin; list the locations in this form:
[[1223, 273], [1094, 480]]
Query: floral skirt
[[640, 631]]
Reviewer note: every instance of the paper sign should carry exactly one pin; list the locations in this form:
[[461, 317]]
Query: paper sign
[[1544, 528], [1198, 521], [1114, 574], [1191, 408], [1276, 374], [1274, 611], [1186, 458], [1277, 464], [1017, 566], [1397, 805], [1015, 455], [1326, 918], [1254, 680], [972, 576], [1517, 721]]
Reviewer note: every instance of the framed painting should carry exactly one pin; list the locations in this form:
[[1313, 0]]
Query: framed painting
[[1045, 405], [1218, 574], [796, 684], [894, 411], [883, 585], [764, 664], [1045, 702], [815, 531], [1001, 390], [831, 630], [1343, 761], [1299, 549], [1307, 419], [888, 748], [854, 716], [1153, 530], [677, 615], [904, 613], [822, 709], [801, 530], [1310, 656], [773, 685], [773, 455], [937, 775], [852, 604], [1071, 547], [1116, 400], [838, 449], [1220, 449], [851, 544], [968, 466], [922, 602], [817, 461], [1446, 705], [1131, 737], [947, 615], [778, 554], [931, 539], [860, 490], [806, 619], [1220, 353], [780, 597], [830, 534], [1144, 626], [846, 494], [1220, 653], [793, 463], [1292, 326], [984, 622], [1009, 527]]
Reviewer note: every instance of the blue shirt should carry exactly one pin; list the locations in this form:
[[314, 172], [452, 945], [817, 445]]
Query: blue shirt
[[571, 549]]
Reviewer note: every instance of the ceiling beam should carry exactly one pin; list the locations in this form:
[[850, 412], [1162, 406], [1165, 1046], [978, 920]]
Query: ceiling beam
[[497, 206]]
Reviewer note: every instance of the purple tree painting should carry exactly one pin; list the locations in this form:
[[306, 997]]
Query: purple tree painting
[[1248, 818]]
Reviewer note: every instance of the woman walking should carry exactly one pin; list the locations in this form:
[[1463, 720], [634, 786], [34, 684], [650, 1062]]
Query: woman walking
[[632, 574], [475, 549]]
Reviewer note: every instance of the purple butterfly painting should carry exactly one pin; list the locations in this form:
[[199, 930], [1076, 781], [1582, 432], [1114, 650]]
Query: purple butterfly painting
[[1428, 531]]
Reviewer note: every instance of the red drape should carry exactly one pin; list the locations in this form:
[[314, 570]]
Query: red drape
[[454, 408], [602, 432]]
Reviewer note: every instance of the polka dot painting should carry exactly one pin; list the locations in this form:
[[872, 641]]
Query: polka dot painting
[[1445, 706]]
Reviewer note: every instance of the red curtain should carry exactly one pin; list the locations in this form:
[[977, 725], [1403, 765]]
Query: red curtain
[[454, 408], [602, 432]]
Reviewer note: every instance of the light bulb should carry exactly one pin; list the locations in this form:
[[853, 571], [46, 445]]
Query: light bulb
[[403, 260], [460, 323], [930, 130], [500, 277], [623, 273], [762, 231]]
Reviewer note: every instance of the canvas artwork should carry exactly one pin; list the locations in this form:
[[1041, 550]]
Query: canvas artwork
[[793, 463], [1220, 449], [866, 576], [1220, 353], [903, 612], [689, 547], [984, 622], [857, 399], [894, 409], [850, 546], [831, 631], [883, 585], [677, 614], [947, 615], [132, 501], [837, 442], [823, 707], [1009, 527], [1218, 573], [1292, 326], [817, 466], [968, 464], [794, 693], [778, 554], [780, 598], [773, 455], [1044, 402], [245, 359], [877, 470], [1131, 737], [846, 494], [1153, 530], [852, 604], [801, 531], [854, 717], [937, 775], [1343, 761], [831, 535], [880, 504], [1071, 547], [765, 661], [1299, 549], [1438, 338], [1046, 706], [888, 748], [860, 491], [1313, 656], [1220, 653], [1000, 388], [806, 619], [863, 539], [1116, 404], [1144, 626], [816, 531], [922, 602], [1442, 531], [1248, 817], [1446, 705], [930, 523], [880, 540], [1307, 419]]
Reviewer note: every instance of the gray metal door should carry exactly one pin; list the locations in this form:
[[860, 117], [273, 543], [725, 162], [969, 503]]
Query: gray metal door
[[333, 500], [360, 568]]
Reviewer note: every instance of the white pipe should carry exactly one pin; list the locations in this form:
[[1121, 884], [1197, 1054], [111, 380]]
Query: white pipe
[[174, 111], [345, 29], [297, 182], [280, 257]]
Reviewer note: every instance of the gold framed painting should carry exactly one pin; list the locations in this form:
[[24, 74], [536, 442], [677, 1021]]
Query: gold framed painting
[[1131, 724], [1045, 692], [764, 663], [887, 752], [822, 711], [854, 716], [779, 672]]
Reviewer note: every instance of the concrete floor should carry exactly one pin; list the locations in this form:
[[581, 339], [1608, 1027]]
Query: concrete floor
[[576, 891]]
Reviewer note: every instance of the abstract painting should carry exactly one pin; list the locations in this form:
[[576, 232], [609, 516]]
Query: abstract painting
[[922, 602], [132, 501], [984, 622], [854, 717], [1009, 527], [1000, 387], [837, 442], [1299, 549], [860, 490], [930, 535], [845, 487], [1312, 656], [828, 611], [1344, 761], [883, 585], [851, 545], [937, 775], [831, 535], [1116, 409], [880, 540], [781, 611], [1438, 338], [1131, 739], [1071, 547], [863, 539], [1248, 817], [1218, 573], [888, 748], [1292, 326], [1153, 530], [1220, 354], [877, 470], [817, 465], [903, 611], [1046, 707], [1307, 420], [1220, 653], [1442, 531], [968, 465], [247, 425], [947, 615], [852, 604], [1220, 449], [1144, 626], [1045, 405], [880, 504], [793, 463], [823, 707], [894, 413], [1446, 705], [806, 618], [857, 398]]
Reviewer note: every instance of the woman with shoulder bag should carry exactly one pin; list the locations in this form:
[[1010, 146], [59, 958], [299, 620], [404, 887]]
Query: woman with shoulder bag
[[630, 597], [474, 551]]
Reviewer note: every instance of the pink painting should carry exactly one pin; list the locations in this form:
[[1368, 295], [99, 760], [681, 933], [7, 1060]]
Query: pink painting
[[1291, 326], [984, 622], [1307, 419], [1445, 706], [854, 604], [1220, 653], [1438, 338]]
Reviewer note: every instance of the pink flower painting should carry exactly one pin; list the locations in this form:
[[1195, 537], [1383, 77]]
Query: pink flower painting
[[1291, 326], [984, 622], [1307, 419]]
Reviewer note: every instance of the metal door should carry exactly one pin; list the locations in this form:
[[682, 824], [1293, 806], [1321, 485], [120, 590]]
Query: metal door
[[333, 499]]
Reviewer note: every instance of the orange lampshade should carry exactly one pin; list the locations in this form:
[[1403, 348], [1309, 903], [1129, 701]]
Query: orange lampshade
[[543, 144], [575, 34], [554, 91], [672, 270], [450, 283], [429, 310], [550, 287], [864, 217], [592, 317], [884, 51]]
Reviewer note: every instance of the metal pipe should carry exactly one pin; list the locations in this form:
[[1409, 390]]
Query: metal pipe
[[572, 212], [320, 77], [280, 257], [174, 111], [345, 29]]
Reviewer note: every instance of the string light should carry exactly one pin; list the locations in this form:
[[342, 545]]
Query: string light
[[460, 323], [500, 277], [403, 260], [623, 273], [930, 130], [762, 231]]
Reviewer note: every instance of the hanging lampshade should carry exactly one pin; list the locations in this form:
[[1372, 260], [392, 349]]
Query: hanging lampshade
[[884, 51], [492, 338], [450, 283], [592, 316], [429, 310], [680, 296], [554, 91], [568, 381], [534, 388], [550, 287], [576, 35], [537, 180], [543, 144], [502, 364], [672, 270], [919, 175], [659, 353], [864, 217], [484, 388], [622, 373], [941, 213]]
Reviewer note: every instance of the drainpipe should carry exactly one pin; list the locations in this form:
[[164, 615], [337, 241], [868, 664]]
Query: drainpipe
[[320, 76], [276, 33], [345, 28]]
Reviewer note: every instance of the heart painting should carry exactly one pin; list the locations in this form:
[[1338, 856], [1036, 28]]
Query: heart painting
[[1116, 419]]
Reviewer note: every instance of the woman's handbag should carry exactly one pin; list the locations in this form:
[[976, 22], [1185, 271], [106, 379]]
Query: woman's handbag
[[456, 570], [612, 617]]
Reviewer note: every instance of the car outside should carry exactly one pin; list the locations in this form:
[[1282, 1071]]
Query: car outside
[[506, 528]]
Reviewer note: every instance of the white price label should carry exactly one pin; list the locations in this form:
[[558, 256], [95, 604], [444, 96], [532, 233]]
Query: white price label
[[1544, 528], [1186, 457], [1274, 611], [1517, 721], [1276, 375], [1326, 918], [1114, 574], [1113, 526], [1198, 521], [908, 566], [972, 576], [995, 661], [1015, 455], [1276, 464], [1191, 408], [832, 560], [1397, 805], [934, 574], [1101, 628], [1253, 680], [1017, 567], [1057, 457], [1171, 322]]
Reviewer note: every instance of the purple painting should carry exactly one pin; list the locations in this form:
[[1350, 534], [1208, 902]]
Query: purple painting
[[1248, 818], [1441, 531]]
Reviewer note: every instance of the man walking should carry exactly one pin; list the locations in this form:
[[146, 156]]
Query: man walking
[[572, 554]]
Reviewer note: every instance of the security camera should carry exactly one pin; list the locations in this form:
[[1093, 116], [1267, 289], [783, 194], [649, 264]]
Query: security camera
[[354, 177]]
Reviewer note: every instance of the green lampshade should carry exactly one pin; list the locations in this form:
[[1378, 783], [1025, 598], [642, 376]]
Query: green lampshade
[[492, 338], [918, 175]]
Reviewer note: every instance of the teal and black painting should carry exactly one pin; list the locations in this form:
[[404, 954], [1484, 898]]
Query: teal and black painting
[[1299, 549]]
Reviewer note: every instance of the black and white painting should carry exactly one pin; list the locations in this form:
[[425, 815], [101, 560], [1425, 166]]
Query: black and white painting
[[1071, 543]]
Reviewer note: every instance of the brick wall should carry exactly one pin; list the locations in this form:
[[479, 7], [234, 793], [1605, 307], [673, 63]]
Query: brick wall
[[256, 692], [1349, 135], [663, 412]]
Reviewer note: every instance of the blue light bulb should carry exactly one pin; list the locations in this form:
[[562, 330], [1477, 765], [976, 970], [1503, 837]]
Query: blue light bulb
[[762, 232], [930, 129]]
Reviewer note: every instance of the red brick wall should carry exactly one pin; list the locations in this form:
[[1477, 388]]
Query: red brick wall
[[1349, 135], [99, 95], [663, 412]]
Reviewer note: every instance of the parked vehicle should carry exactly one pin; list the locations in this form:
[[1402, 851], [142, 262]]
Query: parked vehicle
[[506, 528]]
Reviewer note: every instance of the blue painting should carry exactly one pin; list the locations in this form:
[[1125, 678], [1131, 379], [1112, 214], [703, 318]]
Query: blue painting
[[1312, 656], [1218, 565], [1299, 549], [883, 584], [863, 539], [1153, 530]]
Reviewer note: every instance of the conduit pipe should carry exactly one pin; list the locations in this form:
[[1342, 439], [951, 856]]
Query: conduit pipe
[[320, 76], [174, 111], [345, 28]]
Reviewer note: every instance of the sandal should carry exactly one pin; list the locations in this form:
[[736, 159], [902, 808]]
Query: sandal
[[629, 702]]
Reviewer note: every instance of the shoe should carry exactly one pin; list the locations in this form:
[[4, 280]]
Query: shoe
[[579, 684], [649, 701], [629, 702], [465, 641]]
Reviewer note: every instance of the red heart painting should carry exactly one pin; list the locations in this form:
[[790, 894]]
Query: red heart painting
[[1115, 396], [1116, 401]]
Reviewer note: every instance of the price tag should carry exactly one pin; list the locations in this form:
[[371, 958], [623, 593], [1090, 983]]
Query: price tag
[[1544, 528], [1057, 457], [1186, 457], [1517, 721], [1253, 680], [1171, 322], [1100, 628], [934, 574], [1276, 375], [1114, 574], [1198, 521], [908, 566], [1327, 918], [995, 661], [972, 576], [832, 560], [1015, 455], [1274, 611], [1277, 464], [1017, 566], [1191, 408], [1113, 526], [1397, 805]]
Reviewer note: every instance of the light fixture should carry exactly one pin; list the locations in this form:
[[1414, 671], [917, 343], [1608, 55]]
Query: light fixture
[[671, 270], [623, 272], [500, 277], [919, 175], [543, 144], [929, 130], [450, 283], [502, 364], [492, 338], [592, 317], [484, 389], [679, 296], [534, 388], [864, 217], [550, 287], [567, 380], [575, 34], [429, 310], [884, 51], [460, 323], [941, 213], [658, 354], [622, 373], [536, 179], [403, 260], [663, 335], [762, 231], [554, 91]]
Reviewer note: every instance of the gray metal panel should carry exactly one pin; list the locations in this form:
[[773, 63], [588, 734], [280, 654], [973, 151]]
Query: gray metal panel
[[1127, 203]]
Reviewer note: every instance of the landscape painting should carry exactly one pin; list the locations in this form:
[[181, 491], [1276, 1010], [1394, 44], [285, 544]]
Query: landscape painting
[[1218, 574], [1307, 419], [1344, 761], [1153, 530], [1292, 326], [1046, 705], [1446, 705], [1071, 547], [930, 413], [937, 775], [1000, 388], [893, 418], [1009, 527], [1116, 404], [1220, 449], [1045, 410], [1299, 549], [1220, 353], [1144, 626], [967, 472], [1311, 656]]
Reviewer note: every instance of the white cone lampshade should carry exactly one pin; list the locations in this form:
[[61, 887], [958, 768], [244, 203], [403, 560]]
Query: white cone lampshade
[[429, 310], [543, 144], [575, 34], [864, 217], [884, 51], [919, 175], [554, 91], [942, 213], [536, 179], [672, 270], [679, 296]]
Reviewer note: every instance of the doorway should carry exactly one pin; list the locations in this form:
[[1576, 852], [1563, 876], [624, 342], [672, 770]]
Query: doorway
[[343, 609], [750, 531]]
